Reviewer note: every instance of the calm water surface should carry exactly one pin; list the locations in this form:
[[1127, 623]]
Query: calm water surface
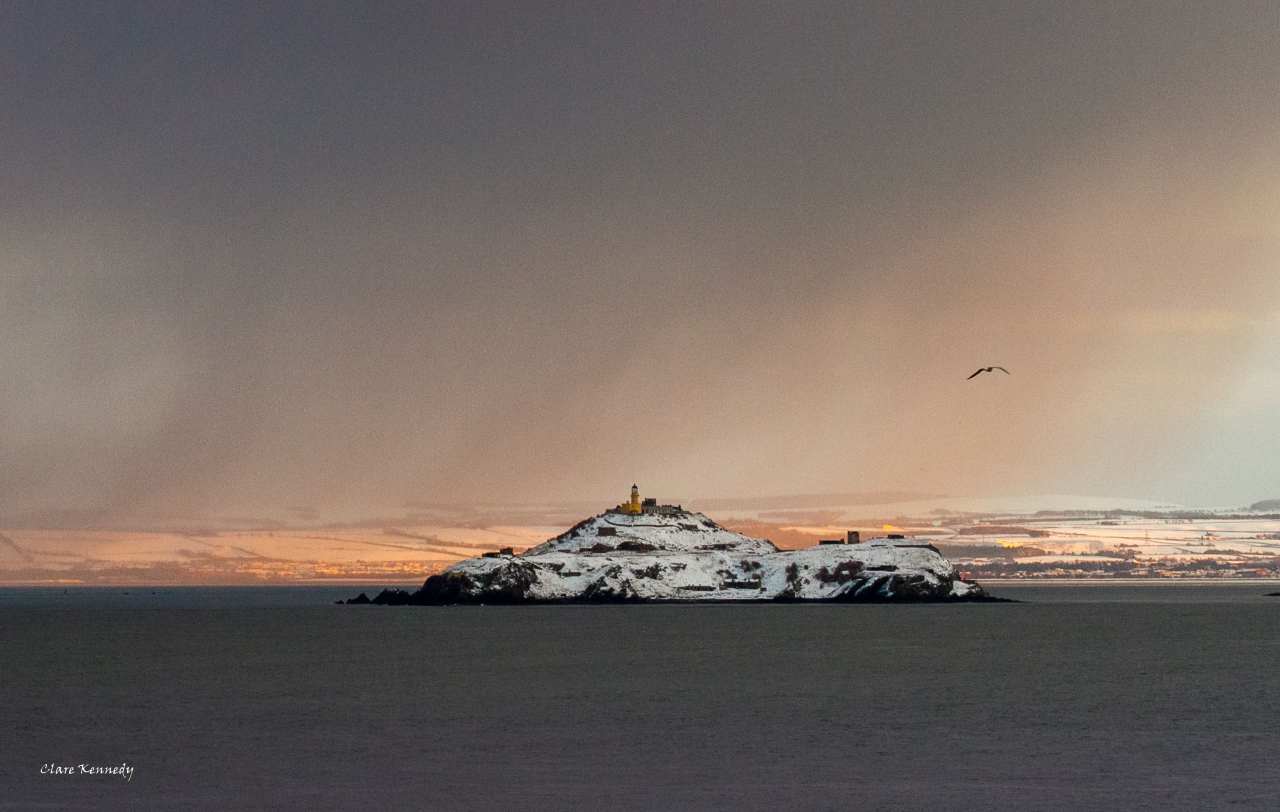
[[1153, 697]]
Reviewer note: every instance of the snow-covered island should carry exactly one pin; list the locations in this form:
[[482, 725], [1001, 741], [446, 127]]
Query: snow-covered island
[[643, 551]]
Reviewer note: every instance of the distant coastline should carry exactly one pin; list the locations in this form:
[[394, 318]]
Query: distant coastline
[[1024, 540]]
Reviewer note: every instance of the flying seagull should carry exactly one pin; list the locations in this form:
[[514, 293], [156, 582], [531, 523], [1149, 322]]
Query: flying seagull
[[987, 369]]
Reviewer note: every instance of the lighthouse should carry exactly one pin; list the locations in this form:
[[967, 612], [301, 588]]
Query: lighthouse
[[632, 507], [635, 506]]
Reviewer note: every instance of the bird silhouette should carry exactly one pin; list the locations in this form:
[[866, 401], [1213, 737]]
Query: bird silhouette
[[987, 369]]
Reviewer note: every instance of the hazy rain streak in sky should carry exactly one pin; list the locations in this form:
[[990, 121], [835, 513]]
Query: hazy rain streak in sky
[[261, 255]]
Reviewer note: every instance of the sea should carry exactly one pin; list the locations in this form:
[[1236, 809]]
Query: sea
[[1160, 697]]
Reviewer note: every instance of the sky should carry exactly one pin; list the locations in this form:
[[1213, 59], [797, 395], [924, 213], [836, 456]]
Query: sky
[[260, 254]]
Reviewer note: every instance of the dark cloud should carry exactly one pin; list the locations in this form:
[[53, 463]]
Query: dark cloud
[[270, 254]]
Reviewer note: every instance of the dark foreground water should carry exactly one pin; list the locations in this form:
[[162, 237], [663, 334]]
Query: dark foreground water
[[1117, 698]]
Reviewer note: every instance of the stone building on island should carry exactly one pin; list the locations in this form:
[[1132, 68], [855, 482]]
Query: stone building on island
[[647, 507]]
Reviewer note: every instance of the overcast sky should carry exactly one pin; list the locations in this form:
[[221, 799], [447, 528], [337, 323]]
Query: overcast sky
[[355, 254]]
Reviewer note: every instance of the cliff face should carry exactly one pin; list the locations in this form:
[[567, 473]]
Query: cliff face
[[688, 557]]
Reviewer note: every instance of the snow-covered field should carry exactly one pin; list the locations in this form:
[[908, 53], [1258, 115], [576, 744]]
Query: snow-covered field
[[393, 554]]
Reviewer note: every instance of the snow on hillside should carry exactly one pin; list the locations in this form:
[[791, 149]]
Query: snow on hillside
[[687, 557]]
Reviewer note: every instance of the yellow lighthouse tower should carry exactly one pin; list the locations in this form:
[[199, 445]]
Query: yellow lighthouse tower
[[632, 507]]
